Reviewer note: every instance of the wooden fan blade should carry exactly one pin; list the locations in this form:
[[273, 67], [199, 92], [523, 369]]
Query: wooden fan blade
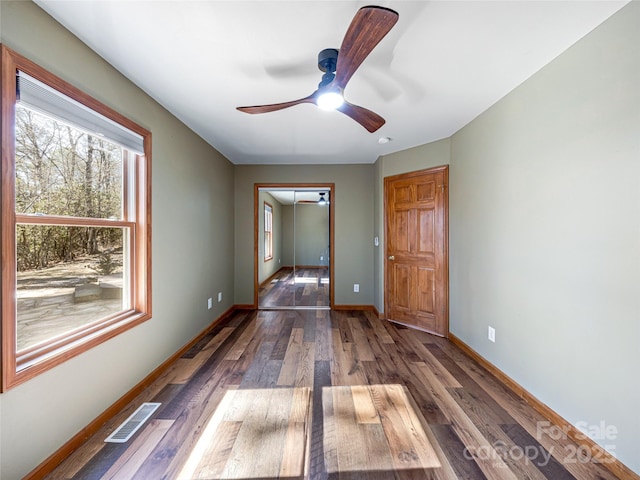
[[278, 106], [367, 28], [368, 119]]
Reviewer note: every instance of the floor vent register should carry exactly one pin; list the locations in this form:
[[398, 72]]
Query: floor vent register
[[132, 424]]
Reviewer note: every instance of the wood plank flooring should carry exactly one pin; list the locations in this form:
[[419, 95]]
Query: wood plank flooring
[[325, 394], [307, 287]]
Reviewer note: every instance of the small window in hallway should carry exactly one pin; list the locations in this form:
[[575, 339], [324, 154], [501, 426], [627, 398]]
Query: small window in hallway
[[268, 231]]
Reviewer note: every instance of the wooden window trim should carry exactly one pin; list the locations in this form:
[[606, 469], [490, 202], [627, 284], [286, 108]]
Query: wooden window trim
[[270, 256], [47, 355]]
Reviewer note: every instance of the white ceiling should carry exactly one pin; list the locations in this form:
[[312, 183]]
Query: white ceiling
[[443, 64], [301, 195]]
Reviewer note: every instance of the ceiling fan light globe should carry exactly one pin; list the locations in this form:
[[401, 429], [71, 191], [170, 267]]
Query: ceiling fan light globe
[[330, 101]]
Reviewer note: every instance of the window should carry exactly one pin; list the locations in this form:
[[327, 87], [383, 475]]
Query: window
[[268, 232], [75, 213]]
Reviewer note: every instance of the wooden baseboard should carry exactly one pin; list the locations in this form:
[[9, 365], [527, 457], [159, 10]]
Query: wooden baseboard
[[366, 308], [79, 438], [610, 462], [244, 306]]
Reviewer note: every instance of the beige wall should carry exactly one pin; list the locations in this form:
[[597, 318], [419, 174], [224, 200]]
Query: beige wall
[[288, 237], [192, 254], [311, 234], [353, 224], [545, 232], [306, 235]]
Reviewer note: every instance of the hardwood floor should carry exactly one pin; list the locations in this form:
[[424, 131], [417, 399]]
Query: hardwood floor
[[308, 287], [329, 395]]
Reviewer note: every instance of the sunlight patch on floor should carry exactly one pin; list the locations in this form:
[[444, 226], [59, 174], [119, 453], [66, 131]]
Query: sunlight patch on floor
[[254, 434], [265, 433], [374, 428]]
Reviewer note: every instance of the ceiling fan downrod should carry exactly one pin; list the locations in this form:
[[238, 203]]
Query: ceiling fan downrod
[[327, 62]]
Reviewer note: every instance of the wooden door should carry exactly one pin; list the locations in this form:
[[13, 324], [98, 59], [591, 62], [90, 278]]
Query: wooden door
[[417, 265]]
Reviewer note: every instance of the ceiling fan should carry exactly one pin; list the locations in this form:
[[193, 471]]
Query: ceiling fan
[[321, 200], [368, 27]]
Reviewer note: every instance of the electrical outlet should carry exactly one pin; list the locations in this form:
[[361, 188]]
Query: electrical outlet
[[321, 258], [219, 296], [210, 303], [356, 287], [492, 334]]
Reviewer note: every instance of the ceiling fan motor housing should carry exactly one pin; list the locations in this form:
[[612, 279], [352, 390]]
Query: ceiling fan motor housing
[[327, 62]]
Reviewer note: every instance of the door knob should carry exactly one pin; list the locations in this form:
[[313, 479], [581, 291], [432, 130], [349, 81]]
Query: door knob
[[391, 257]]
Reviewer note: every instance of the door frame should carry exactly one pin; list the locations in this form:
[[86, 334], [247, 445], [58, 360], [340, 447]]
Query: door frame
[[256, 226], [445, 233]]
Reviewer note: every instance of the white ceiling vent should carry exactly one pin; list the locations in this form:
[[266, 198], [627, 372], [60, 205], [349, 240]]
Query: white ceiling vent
[[131, 425]]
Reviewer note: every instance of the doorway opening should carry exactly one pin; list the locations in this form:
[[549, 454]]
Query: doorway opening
[[293, 246]]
